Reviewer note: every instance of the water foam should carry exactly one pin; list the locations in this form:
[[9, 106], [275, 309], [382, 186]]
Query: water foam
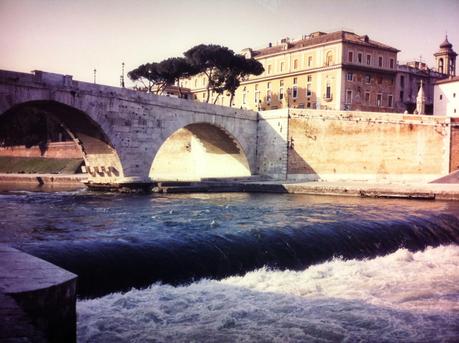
[[403, 297]]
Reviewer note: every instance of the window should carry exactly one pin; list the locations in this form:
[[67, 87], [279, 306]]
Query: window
[[295, 80], [380, 61], [348, 97], [203, 96], [257, 94], [402, 95], [196, 82], [391, 63], [441, 97], [328, 91], [379, 100], [295, 64], [329, 58], [269, 68], [281, 90], [367, 78], [268, 92], [367, 98], [281, 67], [309, 78], [244, 96], [402, 81], [454, 95], [308, 89], [389, 101], [203, 81], [309, 61], [368, 59], [350, 56], [359, 57], [350, 76], [440, 65], [380, 80], [295, 92]]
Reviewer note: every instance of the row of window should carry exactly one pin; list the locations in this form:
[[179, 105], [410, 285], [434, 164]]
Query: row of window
[[293, 92], [296, 65], [350, 76], [367, 99], [368, 59]]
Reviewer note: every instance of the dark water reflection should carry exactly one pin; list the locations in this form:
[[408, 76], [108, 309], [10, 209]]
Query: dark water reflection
[[79, 215], [116, 241]]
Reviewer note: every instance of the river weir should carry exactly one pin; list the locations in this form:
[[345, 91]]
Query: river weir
[[247, 267]]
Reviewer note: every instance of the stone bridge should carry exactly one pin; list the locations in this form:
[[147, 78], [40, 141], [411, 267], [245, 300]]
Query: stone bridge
[[127, 136]]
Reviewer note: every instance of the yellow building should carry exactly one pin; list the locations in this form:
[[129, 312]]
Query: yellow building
[[339, 70]]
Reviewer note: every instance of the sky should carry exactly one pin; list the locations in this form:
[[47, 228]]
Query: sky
[[75, 37]]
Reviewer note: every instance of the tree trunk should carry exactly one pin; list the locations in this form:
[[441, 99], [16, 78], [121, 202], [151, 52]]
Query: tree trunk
[[179, 88], [231, 100], [208, 85]]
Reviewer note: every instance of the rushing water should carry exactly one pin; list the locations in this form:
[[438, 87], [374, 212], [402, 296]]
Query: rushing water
[[248, 267]]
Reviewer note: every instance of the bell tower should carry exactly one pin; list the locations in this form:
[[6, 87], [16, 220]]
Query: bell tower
[[445, 59]]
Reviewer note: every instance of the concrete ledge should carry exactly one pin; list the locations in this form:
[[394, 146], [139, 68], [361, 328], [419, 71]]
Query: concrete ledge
[[45, 296], [44, 179], [420, 191]]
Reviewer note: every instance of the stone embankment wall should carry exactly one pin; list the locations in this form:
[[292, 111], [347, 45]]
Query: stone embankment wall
[[272, 132], [37, 299], [336, 145], [454, 165], [53, 150]]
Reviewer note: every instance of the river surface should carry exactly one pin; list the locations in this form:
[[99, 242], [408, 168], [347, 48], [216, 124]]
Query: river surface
[[247, 267]]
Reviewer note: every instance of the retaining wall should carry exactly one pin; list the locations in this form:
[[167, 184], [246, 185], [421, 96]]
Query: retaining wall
[[342, 145]]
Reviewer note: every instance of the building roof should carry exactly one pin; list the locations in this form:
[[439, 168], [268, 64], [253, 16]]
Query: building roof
[[448, 80], [318, 38], [446, 44]]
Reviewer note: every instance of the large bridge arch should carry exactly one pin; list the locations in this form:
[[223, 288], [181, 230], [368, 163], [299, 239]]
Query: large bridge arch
[[101, 160], [197, 151]]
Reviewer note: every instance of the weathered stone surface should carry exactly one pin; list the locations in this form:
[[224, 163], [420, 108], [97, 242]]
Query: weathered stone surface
[[110, 123], [44, 292]]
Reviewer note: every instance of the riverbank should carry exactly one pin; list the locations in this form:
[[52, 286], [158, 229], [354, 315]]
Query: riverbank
[[426, 191], [446, 188]]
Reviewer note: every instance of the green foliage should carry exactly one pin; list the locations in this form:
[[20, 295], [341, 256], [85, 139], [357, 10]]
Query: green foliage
[[223, 68]]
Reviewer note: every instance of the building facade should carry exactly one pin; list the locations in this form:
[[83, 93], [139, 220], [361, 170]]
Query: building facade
[[408, 81], [339, 70], [336, 71], [446, 100]]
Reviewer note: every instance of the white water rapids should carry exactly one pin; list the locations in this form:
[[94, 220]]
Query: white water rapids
[[401, 297]]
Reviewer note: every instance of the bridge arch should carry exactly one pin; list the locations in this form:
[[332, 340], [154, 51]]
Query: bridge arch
[[101, 159], [198, 151]]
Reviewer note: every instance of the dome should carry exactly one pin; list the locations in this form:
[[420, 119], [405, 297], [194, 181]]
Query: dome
[[446, 44]]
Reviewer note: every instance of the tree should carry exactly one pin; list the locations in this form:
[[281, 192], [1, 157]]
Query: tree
[[238, 71], [148, 75], [209, 60], [175, 68], [224, 70]]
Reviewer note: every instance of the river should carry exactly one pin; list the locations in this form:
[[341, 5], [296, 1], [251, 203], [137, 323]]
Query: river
[[247, 267]]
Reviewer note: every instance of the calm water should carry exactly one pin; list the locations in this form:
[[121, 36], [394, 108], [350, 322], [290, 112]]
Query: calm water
[[247, 267]]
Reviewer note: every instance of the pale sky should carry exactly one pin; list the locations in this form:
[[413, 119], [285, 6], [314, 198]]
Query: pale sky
[[75, 36]]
